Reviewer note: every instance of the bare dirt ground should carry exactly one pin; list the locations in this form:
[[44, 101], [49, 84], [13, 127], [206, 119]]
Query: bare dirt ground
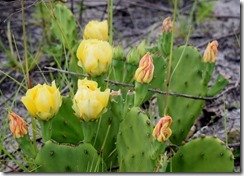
[[133, 21]]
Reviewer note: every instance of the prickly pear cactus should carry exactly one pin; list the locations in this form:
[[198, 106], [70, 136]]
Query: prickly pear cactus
[[66, 127], [64, 25], [68, 158], [187, 77], [134, 141], [205, 154]]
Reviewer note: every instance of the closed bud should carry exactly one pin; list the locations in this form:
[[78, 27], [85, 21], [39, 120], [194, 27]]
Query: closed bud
[[133, 57], [142, 48], [96, 30], [167, 25], [89, 102], [162, 130], [43, 101], [211, 52], [144, 73], [118, 53], [17, 125], [95, 56]]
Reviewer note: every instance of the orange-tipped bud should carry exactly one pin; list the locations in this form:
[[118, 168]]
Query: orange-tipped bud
[[162, 130], [17, 125], [167, 25], [211, 52], [144, 73]]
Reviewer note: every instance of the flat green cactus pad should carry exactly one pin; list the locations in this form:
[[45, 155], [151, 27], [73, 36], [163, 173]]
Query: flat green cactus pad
[[66, 127], [134, 141], [206, 154], [66, 158]]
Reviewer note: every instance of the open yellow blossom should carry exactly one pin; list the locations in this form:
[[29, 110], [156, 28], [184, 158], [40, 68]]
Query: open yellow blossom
[[96, 30], [17, 125], [144, 73], [89, 102], [211, 52], [95, 56], [162, 131], [43, 101]]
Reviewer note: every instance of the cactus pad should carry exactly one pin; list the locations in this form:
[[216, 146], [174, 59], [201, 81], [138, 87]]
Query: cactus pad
[[134, 141], [66, 127], [66, 158], [205, 154]]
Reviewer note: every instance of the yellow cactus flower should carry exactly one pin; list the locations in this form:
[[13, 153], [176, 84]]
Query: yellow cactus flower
[[167, 25], [94, 56], [89, 102], [43, 101], [162, 131], [144, 73], [96, 30], [17, 125], [211, 52]]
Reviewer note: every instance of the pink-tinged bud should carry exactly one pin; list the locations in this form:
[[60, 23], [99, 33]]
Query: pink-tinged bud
[[211, 52], [162, 131], [144, 73], [17, 125], [167, 25]]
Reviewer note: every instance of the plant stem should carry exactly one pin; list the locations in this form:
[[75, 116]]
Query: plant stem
[[187, 38], [33, 122], [225, 125], [110, 21], [170, 60], [33, 126], [46, 127], [25, 46]]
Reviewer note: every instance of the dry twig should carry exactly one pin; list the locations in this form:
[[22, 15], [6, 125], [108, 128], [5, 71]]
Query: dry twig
[[150, 89]]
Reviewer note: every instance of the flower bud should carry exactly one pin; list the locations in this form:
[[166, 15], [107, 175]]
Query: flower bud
[[43, 101], [211, 52], [162, 131], [17, 125], [167, 25], [89, 102], [94, 56], [133, 57], [144, 73], [96, 30], [118, 53], [142, 48]]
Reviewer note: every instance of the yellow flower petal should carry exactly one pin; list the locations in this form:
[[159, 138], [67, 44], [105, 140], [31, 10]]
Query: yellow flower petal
[[96, 30]]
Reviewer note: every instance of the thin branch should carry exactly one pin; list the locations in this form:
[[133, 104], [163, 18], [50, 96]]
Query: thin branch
[[150, 89]]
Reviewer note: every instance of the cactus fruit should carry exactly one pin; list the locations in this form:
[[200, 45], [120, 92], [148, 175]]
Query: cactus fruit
[[205, 154], [67, 158], [102, 134], [26, 146], [66, 127], [134, 141]]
